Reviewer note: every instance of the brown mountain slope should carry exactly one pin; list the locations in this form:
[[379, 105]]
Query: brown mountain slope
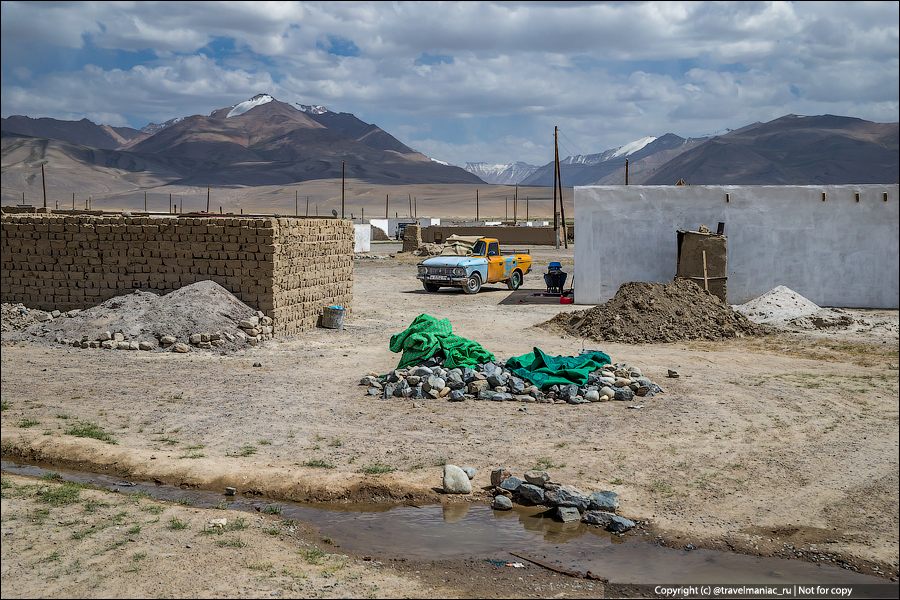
[[792, 150]]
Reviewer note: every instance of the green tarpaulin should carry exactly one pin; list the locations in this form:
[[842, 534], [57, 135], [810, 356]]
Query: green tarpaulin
[[544, 371], [426, 336]]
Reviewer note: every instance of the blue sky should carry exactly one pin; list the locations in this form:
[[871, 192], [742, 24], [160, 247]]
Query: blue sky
[[460, 81]]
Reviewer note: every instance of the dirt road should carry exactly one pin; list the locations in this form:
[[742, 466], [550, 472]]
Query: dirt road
[[785, 445]]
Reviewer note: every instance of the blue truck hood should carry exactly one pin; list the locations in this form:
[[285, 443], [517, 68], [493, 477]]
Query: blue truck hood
[[453, 261]]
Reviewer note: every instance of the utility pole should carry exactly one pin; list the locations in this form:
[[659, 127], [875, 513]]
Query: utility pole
[[626, 171], [410, 206], [555, 172], [307, 206], [516, 204], [386, 197], [145, 201], [207, 200], [342, 189], [44, 182], [296, 203], [476, 207], [562, 204]]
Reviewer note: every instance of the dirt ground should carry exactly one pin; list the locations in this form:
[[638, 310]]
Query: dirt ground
[[783, 445]]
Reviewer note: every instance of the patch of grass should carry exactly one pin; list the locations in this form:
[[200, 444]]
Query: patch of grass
[[61, 495], [167, 440], [51, 476], [664, 489], [246, 450], [617, 481], [376, 469], [196, 447], [87, 429], [133, 530], [273, 509], [184, 501], [417, 466], [544, 464], [258, 566], [193, 455], [177, 524], [238, 524], [222, 505], [62, 416], [336, 443], [52, 557], [272, 531], [313, 556], [264, 443], [317, 463], [5, 405], [39, 516], [235, 543], [25, 423], [155, 509]]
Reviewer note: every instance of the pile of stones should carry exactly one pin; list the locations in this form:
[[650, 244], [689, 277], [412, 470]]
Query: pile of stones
[[570, 503], [492, 381]]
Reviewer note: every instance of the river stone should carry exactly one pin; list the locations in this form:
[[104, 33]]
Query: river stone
[[516, 385], [456, 481], [468, 374], [592, 396], [485, 394], [531, 493], [624, 395], [105, 336], [568, 514], [499, 475], [511, 483], [605, 501], [497, 378], [181, 348], [607, 391], [539, 478], [566, 495], [413, 380], [457, 396], [470, 472], [525, 398], [145, 346], [608, 521], [502, 503], [389, 390], [477, 385]]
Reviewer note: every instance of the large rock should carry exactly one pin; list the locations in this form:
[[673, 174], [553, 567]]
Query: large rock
[[456, 481], [511, 484], [538, 478], [608, 521], [568, 514], [566, 495], [498, 476], [502, 503], [531, 493], [605, 501]]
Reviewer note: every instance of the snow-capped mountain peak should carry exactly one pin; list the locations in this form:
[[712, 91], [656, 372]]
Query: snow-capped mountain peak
[[633, 147], [311, 110], [152, 128], [253, 102]]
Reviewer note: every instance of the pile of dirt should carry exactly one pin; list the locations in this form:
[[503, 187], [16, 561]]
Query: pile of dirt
[[204, 307], [643, 313]]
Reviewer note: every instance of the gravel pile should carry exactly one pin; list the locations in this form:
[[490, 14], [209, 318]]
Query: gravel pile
[[492, 381], [200, 316], [642, 313]]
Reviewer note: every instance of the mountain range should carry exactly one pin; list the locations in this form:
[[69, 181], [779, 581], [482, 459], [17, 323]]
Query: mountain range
[[263, 141], [258, 142]]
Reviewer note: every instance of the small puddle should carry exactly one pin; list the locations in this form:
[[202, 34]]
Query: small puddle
[[436, 532]]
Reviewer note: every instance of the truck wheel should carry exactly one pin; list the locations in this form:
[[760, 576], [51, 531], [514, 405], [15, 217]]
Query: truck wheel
[[431, 287], [515, 281], [473, 284]]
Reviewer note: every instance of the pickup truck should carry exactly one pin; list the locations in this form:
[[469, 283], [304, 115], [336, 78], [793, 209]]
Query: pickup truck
[[468, 262]]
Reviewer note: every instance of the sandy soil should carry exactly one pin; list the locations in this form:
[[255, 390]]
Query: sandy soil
[[785, 445]]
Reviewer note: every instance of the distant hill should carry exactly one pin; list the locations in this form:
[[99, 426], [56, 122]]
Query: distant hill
[[83, 132], [501, 174], [607, 168], [791, 150], [261, 141]]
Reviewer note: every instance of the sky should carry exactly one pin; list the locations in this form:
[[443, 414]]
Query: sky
[[460, 81]]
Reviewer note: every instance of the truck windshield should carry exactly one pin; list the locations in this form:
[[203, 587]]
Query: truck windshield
[[478, 249]]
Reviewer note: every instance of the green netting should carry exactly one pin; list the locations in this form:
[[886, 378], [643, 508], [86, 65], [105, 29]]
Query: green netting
[[544, 371], [426, 336]]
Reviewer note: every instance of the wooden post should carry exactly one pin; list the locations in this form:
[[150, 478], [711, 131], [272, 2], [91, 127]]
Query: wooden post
[[296, 203], [415, 208], [562, 204], [410, 205], [73, 200], [626, 171], [145, 201], [555, 171], [207, 200], [476, 207], [705, 280], [307, 206], [342, 189], [170, 203], [386, 196], [44, 183]]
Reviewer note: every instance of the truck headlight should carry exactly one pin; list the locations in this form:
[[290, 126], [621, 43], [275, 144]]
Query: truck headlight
[[459, 271], [423, 270]]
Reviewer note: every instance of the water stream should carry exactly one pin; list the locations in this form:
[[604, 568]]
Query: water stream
[[436, 532]]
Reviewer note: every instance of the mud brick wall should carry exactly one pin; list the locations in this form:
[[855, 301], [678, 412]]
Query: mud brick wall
[[312, 268], [290, 269]]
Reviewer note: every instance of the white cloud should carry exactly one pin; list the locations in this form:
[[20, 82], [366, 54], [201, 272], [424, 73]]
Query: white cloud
[[610, 73]]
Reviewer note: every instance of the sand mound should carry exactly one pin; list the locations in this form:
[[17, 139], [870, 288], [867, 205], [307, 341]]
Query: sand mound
[[642, 313], [202, 307], [777, 305]]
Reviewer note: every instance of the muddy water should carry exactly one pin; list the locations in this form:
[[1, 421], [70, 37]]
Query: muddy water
[[435, 532]]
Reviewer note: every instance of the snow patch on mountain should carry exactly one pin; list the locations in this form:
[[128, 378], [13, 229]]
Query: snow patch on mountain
[[253, 102], [633, 147], [311, 110], [152, 128], [501, 174]]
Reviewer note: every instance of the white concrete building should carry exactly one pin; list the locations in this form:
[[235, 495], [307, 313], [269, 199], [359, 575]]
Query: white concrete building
[[837, 245]]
